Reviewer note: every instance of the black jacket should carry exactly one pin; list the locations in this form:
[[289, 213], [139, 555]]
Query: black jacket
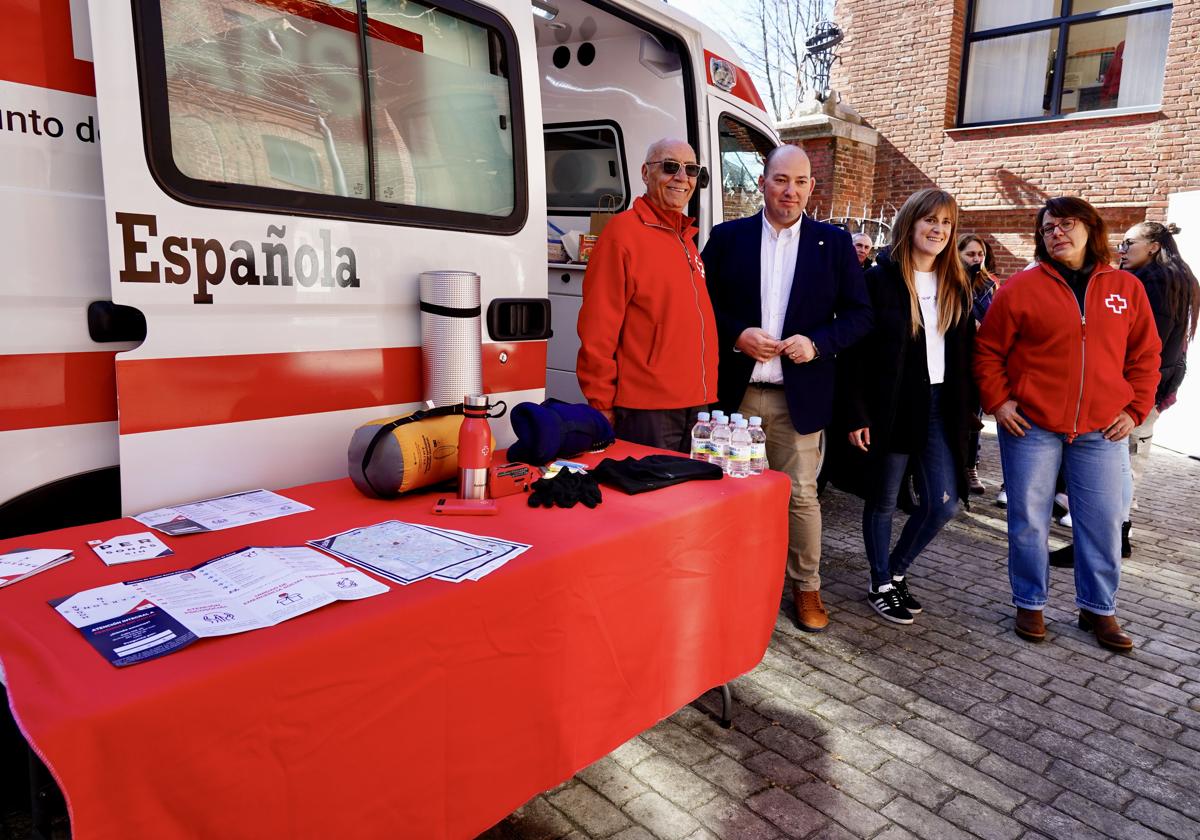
[[1171, 330], [883, 384], [828, 303]]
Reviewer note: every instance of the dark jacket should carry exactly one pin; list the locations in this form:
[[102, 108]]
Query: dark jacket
[[828, 282], [1172, 330], [982, 296], [883, 385]]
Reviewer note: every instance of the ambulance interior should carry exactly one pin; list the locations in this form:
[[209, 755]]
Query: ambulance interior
[[610, 87]]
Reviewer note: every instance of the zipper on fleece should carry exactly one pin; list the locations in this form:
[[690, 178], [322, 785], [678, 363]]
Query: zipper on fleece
[[696, 299], [1082, 354]]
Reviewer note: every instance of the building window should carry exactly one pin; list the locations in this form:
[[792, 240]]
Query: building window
[[293, 163], [1044, 59], [585, 169], [388, 110], [743, 151]]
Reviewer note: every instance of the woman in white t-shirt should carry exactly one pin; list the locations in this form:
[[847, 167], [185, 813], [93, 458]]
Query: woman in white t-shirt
[[907, 396]]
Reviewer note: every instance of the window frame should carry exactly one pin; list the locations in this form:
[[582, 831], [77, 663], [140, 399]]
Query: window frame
[[622, 162], [156, 135], [741, 120], [1063, 23]]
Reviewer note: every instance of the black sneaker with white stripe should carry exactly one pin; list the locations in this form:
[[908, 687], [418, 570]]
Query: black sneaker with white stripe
[[886, 602], [906, 599]]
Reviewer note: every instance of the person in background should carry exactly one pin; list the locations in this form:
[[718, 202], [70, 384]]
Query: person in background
[[974, 255], [1150, 253], [1067, 362], [908, 396], [863, 247], [648, 339], [788, 294]]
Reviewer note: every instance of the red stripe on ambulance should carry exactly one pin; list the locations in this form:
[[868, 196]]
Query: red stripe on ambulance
[[160, 394], [727, 76], [57, 389]]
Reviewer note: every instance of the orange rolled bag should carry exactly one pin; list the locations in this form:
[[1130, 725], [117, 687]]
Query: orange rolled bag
[[393, 455]]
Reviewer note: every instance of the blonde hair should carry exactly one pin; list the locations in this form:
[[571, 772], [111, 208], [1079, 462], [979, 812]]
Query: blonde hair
[[953, 287]]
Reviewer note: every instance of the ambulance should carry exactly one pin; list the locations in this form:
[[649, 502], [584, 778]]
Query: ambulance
[[216, 213]]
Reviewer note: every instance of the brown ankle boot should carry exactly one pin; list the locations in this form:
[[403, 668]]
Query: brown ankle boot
[[1108, 631], [810, 612], [1030, 626]]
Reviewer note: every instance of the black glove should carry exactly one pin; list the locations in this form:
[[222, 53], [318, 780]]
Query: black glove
[[565, 489]]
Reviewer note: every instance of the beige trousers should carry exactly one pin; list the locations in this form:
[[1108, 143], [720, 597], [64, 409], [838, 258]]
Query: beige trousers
[[798, 456], [1139, 451]]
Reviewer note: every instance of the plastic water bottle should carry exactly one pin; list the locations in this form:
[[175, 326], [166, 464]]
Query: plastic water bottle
[[739, 450], [717, 414], [702, 438], [720, 442], [733, 418], [758, 447]]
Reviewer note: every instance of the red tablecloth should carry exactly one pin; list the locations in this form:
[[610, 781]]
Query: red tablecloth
[[431, 711]]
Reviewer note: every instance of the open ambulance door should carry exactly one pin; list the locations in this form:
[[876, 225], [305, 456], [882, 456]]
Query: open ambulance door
[[739, 139], [277, 174]]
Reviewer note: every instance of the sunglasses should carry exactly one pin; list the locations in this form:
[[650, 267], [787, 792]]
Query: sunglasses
[[1127, 243], [671, 167], [1066, 226]]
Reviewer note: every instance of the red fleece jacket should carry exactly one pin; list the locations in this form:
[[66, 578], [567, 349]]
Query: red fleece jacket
[[1069, 374], [648, 337]]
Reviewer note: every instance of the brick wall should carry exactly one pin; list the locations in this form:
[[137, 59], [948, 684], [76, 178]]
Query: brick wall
[[900, 69]]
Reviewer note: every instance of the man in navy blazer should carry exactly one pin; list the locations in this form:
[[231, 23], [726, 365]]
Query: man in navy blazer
[[789, 295]]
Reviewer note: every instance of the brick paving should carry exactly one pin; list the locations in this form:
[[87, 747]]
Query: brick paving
[[949, 728]]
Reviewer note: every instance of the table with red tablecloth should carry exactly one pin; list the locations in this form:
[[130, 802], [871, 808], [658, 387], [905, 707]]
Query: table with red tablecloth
[[431, 711]]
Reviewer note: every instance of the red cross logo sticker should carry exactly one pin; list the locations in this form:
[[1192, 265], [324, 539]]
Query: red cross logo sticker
[[1116, 303]]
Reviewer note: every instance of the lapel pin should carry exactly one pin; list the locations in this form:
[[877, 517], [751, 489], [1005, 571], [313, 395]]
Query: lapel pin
[[820, 241]]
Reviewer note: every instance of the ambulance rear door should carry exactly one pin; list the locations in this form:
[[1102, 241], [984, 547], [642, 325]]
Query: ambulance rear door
[[277, 175], [740, 135]]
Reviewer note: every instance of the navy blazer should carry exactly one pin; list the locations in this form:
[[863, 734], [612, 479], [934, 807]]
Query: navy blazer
[[828, 303]]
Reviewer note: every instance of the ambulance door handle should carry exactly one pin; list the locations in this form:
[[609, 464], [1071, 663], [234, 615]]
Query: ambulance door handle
[[519, 319], [108, 321]]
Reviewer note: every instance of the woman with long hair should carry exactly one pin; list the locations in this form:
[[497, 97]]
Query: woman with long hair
[[974, 253], [908, 396], [1150, 253], [1067, 362]]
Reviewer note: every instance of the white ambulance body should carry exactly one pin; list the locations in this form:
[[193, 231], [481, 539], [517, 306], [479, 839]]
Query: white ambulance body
[[214, 296]]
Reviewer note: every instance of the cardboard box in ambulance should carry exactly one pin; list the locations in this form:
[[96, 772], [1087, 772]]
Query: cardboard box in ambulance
[[216, 294]]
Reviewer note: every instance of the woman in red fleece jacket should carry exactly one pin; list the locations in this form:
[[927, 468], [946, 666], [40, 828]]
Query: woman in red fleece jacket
[[1067, 361]]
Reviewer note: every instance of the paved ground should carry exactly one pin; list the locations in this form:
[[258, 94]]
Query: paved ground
[[950, 728]]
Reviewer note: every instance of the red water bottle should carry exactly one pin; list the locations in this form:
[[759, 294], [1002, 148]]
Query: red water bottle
[[474, 448]]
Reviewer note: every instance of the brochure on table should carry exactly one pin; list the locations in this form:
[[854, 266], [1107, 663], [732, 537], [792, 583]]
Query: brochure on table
[[221, 513], [244, 590], [20, 563], [406, 552], [129, 548]]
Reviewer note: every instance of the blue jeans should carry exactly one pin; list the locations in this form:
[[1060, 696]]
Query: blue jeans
[[936, 484], [1095, 472]]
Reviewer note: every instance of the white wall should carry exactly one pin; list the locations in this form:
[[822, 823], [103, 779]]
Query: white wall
[[1179, 427]]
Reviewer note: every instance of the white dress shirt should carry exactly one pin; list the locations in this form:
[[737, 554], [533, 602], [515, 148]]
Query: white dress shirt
[[935, 339], [778, 261]]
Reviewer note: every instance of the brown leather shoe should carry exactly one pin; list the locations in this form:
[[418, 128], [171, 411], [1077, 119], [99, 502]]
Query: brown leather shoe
[[810, 612], [1108, 631], [1030, 626]]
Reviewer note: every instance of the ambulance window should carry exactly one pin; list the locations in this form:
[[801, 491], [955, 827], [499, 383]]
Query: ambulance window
[[585, 169], [440, 110], [391, 111], [743, 150], [235, 79]]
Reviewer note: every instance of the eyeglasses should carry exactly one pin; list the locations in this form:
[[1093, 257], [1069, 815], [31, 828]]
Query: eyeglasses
[[1126, 243], [671, 167], [1066, 226]]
